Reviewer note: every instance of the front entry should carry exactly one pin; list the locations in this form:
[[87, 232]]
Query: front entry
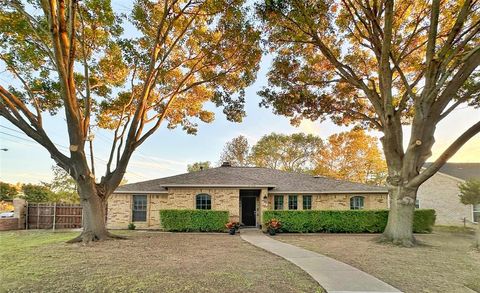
[[249, 210]]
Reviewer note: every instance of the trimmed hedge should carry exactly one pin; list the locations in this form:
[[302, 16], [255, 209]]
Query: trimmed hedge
[[349, 221], [193, 220], [423, 221]]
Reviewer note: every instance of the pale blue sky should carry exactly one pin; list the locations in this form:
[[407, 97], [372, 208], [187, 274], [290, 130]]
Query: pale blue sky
[[168, 152]]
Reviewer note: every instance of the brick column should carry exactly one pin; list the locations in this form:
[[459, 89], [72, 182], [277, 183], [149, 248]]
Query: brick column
[[19, 212]]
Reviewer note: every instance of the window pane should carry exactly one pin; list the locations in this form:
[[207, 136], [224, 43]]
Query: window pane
[[139, 216], [417, 203], [278, 202], [356, 203], [203, 202], [307, 202], [292, 202], [139, 209], [476, 213]]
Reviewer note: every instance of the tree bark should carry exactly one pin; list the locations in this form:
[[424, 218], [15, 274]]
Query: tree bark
[[399, 229], [94, 211]]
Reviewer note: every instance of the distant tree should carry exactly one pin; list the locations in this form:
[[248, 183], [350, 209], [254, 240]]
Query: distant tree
[[353, 156], [294, 152], [236, 152], [7, 191], [470, 194], [198, 166], [123, 182], [37, 193], [63, 186]]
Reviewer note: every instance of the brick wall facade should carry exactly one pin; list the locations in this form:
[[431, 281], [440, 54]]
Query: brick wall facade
[[226, 199], [440, 193], [8, 224], [336, 201]]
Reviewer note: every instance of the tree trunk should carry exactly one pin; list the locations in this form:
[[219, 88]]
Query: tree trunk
[[94, 209], [399, 229]]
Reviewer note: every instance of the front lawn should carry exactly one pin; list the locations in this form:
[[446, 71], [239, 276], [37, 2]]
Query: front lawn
[[446, 262], [146, 262]]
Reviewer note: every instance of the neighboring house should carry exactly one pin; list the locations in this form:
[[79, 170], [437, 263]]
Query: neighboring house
[[245, 192], [441, 191]]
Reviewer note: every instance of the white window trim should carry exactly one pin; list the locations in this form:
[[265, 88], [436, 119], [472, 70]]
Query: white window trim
[[147, 214], [211, 201], [473, 213], [355, 197]]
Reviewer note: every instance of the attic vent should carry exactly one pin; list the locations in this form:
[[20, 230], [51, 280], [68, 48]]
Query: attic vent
[[226, 164]]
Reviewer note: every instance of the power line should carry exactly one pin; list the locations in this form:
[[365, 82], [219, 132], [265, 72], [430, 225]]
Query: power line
[[104, 138], [31, 140]]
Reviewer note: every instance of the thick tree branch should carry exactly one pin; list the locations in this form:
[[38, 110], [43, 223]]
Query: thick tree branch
[[443, 158]]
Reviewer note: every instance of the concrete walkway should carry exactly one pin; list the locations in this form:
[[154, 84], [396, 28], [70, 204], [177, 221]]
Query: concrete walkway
[[332, 275]]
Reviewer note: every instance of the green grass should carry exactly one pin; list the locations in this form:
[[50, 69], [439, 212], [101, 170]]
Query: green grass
[[445, 261], [41, 261]]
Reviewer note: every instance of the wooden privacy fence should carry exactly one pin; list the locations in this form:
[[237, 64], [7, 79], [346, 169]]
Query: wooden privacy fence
[[53, 216]]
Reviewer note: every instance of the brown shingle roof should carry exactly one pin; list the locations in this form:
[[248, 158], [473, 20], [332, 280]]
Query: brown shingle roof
[[462, 171], [275, 180]]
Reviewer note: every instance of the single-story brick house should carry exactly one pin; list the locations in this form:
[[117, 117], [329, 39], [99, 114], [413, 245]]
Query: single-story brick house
[[440, 192], [245, 192]]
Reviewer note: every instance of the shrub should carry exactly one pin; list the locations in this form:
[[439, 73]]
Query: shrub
[[193, 220], [423, 221], [131, 226], [349, 221]]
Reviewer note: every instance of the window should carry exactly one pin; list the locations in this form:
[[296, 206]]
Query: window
[[278, 202], [356, 203], [476, 213], [139, 209], [307, 202], [417, 203], [292, 202], [203, 201]]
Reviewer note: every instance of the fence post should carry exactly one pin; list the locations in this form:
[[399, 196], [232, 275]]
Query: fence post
[[26, 217], [38, 216], [54, 215]]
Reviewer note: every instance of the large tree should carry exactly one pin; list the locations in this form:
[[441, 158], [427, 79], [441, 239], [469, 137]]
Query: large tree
[[352, 155], [293, 152], [470, 195], [130, 74], [379, 64], [236, 152]]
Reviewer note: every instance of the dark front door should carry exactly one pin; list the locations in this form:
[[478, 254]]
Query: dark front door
[[248, 210]]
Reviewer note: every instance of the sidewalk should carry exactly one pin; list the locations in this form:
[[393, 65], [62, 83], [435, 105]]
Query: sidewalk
[[332, 275]]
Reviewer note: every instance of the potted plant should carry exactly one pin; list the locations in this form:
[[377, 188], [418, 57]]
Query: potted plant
[[232, 227], [273, 226]]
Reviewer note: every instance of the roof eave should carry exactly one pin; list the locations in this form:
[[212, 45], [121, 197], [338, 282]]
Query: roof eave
[[144, 191], [220, 185], [329, 192]]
